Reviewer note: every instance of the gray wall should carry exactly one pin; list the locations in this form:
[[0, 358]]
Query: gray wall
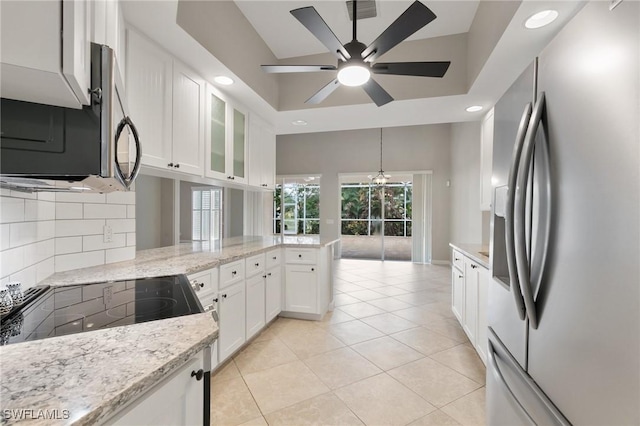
[[155, 212], [411, 148], [466, 216]]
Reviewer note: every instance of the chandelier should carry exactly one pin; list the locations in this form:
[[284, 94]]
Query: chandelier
[[381, 178]]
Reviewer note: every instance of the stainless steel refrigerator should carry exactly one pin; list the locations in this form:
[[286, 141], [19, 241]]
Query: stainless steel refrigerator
[[564, 302]]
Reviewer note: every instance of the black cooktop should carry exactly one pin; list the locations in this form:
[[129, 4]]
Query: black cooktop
[[87, 307]]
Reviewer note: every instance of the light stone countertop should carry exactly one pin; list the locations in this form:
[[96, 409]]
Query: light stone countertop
[[473, 252], [94, 374], [184, 258]]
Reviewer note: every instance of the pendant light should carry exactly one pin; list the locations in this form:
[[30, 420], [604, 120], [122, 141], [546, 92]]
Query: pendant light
[[380, 179]]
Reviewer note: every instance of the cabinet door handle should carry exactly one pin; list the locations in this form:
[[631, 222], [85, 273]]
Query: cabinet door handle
[[170, 165], [224, 296], [456, 259], [215, 300], [300, 256], [269, 274], [198, 374], [234, 272], [275, 258], [177, 166], [257, 264], [460, 276], [313, 269], [474, 266], [264, 276]]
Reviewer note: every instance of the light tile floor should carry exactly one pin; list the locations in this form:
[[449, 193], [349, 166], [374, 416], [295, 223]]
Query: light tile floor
[[391, 353]]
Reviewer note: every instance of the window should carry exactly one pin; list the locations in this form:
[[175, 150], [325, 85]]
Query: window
[[362, 213], [296, 205], [207, 214]]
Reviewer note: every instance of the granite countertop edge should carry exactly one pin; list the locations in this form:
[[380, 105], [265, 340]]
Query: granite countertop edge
[[184, 258], [473, 252]]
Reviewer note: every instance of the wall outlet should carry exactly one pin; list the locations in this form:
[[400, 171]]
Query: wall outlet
[[107, 234]]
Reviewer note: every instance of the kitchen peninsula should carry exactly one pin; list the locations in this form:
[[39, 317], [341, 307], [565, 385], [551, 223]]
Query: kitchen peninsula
[[97, 375]]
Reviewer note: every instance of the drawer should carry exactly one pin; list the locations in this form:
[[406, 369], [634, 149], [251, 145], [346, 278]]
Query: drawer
[[254, 265], [231, 273], [301, 256], [273, 258], [204, 282], [458, 260]]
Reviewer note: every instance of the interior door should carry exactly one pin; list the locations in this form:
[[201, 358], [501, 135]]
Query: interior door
[[585, 354]]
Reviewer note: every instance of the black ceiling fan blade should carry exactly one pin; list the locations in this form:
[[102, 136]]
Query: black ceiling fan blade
[[322, 94], [415, 17], [376, 92], [311, 19], [296, 68], [420, 69]]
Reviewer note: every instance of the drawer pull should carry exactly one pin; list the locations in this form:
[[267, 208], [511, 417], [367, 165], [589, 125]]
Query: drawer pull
[[257, 264], [300, 256], [275, 257], [474, 266], [456, 259], [313, 269], [170, 165], [269, 274], [198, 374], [215, 300], [224, 296], [264, 276], [460, 276], [234, 272]]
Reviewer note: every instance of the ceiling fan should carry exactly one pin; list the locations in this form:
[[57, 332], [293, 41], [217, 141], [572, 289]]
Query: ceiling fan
[[356, 61]]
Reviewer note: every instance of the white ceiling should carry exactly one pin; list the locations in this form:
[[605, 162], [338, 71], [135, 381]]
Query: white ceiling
[[516, 48], [287, 37]]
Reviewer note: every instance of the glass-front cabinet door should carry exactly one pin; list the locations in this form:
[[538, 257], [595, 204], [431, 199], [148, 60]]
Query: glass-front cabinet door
[[226, 139], [238, 146], [216, 135]]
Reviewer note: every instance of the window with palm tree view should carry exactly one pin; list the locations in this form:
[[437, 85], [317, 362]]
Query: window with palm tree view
[[296, 205], [363, 220]]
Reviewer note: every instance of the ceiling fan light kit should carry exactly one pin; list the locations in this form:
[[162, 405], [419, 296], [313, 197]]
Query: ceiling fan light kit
[[355, 60]]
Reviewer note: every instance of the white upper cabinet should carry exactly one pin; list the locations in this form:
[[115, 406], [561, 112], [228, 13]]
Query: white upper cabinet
[[188, 128], [149, 92], [486, 161], [262, 154], [225, 138], [108, 28], [166, 100], [46, 51]]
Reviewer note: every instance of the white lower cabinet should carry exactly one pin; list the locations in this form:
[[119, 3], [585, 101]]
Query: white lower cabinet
[[470, 285], [255, 304], [483, 299], [177, 400], [273, 293], [232, 320], [301, 284]]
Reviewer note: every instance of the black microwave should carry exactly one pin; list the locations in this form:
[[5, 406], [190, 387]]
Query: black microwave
[[92, 149]]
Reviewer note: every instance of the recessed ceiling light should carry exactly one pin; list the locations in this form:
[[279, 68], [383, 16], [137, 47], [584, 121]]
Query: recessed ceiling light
[[299, 123], [224, 80], [474, 108], [541, 19]]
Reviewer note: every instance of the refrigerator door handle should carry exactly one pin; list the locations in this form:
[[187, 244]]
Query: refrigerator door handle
[[495, 369], [509, 225], [524, 273]]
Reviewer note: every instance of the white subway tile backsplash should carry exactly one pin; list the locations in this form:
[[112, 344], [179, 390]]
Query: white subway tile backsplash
[[122, 225], [69, 210], [44, 233], [67, 245], [45, 269], [22, 233], [47, 196], [104, 211], [11, 210], [70, 228], [35, 253], [75, 197], [96, 242], [121, 197], [11, 261], [120, 254], [131, 239], [67, 262], [46, 229], [27, 277], [39, 210], [4, 236]]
